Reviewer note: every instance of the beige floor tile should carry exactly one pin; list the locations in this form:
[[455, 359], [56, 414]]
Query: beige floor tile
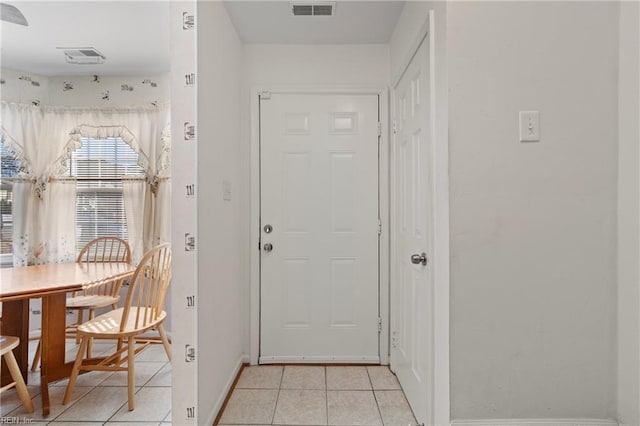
[[382, 378], [91, 378], [394, 408], [300, 377], [250, 406], [348, 378], [144, 372], [55, 401], [9, 400], [301, 407], [162, 377], [98, 405], [33, 377], [76, 423], [348, 408], [152, 404], [260, 377], [153, 353], [129, 423]]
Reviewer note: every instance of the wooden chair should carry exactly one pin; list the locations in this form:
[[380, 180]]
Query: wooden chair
[[7, 343], [99, 295], [142, 311]]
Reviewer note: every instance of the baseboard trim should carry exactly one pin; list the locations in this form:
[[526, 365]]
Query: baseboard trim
[[214, 417], [534, 422]]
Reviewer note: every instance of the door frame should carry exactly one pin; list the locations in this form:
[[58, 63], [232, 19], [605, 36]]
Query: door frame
[[383, 207], [434, 26]]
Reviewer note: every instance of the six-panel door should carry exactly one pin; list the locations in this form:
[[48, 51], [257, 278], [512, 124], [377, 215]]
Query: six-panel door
[[319, 196]]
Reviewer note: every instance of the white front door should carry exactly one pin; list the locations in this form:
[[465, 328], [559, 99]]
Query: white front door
[[319, 228], [412, 235]]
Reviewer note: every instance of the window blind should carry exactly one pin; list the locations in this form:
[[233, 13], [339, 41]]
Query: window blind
[[10, 166], [99, 165]]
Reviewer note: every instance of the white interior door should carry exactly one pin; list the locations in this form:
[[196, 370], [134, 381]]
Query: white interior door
[[319, 228], [412, 234]]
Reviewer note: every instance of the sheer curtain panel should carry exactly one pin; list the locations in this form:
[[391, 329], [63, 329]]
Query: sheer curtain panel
[[44, 202]]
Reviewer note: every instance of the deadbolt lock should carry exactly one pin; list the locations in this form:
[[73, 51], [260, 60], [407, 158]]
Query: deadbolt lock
[[268, 229], [419, 259]]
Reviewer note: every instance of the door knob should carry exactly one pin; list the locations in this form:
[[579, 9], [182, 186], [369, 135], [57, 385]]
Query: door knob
[[419, 259], [268, 247]]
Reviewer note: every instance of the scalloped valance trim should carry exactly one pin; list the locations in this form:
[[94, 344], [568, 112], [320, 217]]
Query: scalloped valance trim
[[61, 164], [17, 151], [164, 159]]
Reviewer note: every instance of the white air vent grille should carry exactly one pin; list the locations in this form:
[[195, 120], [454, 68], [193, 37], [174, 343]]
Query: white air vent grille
[[82, 55], [313, 9]]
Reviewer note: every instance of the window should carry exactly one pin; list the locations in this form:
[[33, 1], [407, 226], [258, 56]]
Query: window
[[99, 166], [10, 168]]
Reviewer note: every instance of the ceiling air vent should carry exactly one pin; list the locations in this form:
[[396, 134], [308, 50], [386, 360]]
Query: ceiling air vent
[[313, 9], [82, 55]]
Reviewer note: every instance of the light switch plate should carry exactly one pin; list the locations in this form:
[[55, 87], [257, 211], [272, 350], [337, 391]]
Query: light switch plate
[[529, 126]]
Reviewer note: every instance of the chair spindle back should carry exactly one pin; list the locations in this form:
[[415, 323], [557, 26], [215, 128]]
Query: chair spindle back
[[148, 288], [104, 250]]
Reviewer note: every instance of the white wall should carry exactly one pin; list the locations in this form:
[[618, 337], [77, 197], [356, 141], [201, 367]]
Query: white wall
[[85, 91], [628, 214], [110, 90], [22, 87], [533, 240], [221, 313], [317, 65]]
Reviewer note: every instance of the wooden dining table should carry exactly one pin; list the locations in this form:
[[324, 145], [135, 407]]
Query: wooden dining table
[[50, 282]]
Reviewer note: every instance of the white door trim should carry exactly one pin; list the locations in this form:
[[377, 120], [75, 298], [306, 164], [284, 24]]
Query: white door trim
[[440, 392], [383, 164]]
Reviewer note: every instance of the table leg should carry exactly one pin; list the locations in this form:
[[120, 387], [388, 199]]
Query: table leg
[[53, 345], [15, 322]]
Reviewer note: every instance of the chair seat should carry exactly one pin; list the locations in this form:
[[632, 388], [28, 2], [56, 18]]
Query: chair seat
[[92, 301], [108, 325], [7, 343]]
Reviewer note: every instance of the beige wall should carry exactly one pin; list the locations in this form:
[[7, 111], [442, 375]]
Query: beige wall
[[221, 312], [533, 225], [628, 214]]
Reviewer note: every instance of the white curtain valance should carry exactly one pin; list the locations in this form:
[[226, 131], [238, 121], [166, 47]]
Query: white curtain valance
[[46, 136]]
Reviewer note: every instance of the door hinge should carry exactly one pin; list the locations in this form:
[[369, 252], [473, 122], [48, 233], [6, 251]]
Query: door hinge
[[379, 128], [379, 227], [379, 325], [394, 128], [265, 95]]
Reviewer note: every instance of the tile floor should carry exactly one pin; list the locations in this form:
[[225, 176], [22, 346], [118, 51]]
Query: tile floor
[[100, 397], [317, 395], [264, 395]]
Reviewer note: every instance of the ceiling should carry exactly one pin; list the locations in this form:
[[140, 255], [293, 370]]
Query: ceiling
[[355, 22], [133, 35]]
